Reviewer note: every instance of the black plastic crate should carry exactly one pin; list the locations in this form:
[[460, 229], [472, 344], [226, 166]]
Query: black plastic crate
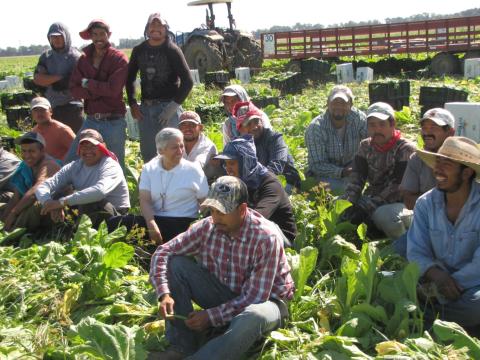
[[16, 99], [7, 142], [288, 83], [316, 70], [264, 101], [440, 95], [210, 113], [397, 94], [217, 78], [18, 117]]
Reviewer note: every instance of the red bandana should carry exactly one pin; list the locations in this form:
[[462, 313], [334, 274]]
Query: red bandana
[[390, 144]]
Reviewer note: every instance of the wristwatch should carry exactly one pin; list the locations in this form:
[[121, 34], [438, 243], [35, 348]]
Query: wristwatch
[[85, 83]]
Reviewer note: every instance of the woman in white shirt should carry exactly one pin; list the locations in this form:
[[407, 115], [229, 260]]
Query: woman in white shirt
[[171, 189]]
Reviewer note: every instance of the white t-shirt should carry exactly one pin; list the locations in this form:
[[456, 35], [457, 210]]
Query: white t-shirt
[[183, 186]]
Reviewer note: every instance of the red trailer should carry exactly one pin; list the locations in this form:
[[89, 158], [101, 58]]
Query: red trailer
[[444, 37]]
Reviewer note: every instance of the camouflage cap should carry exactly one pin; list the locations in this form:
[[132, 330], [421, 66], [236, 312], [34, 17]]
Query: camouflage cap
[[226, 194]]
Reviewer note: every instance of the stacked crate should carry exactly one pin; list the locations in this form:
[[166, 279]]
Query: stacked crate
[[397, 94], [17, 109], [433, 97]]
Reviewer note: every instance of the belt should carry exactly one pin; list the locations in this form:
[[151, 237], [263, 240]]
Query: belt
[[105, 116], [150, 102]]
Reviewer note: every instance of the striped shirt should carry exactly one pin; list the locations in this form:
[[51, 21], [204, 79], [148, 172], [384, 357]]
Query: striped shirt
[[252, 264], [328, 154]]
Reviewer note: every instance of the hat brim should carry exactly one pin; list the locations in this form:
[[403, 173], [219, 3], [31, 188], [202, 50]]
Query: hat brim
[[340, 95], [90, 140], [379, 115], [226, 157], [430, 158], [43, 106], [439, 122], [213, 203], [55, 34], [190, 120]]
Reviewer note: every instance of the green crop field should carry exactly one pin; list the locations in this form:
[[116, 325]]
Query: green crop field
[[85, 296]]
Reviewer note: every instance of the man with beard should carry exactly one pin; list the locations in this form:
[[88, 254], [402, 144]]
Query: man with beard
[[437, 124], [333, 138], [165, 83], [98, 79], [198, 147], [444, 237], [381, 161], [53, 72]]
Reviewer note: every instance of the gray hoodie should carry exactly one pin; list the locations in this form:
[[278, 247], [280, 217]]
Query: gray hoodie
[[58, 62], [229, 128]]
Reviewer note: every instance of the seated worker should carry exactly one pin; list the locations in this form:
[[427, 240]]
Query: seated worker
[[265, 193], [99, 186], [198, 147], [271, 150], [171, 189], [443, 238], [231, 95], [22, 211], [58, 136], [333, 139], [8, 165], [436, 125], [233, 265], [381, 161]]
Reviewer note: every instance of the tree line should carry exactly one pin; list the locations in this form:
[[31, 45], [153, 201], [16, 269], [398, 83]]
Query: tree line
[[130, 43]]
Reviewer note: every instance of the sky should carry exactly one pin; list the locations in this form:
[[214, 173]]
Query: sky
[[26, 22]]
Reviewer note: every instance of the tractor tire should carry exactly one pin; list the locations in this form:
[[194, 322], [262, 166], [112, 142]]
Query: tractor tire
[[203, 55], [445, 64], [248, 54]]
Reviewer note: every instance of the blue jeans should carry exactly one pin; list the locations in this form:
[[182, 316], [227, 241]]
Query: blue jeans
[[188, 281], [149, 127], [113, 133]]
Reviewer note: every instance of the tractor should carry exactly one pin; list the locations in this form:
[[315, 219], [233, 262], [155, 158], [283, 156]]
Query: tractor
[[210, 48]]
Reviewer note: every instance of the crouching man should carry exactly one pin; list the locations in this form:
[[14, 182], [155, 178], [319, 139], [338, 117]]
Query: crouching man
[[99, 186], [444, 237], [22, 211], [240, 278]]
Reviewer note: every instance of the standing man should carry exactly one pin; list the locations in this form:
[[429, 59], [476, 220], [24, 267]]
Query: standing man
[[98, 79], [443, 239], [165, 83], [381, 161], [333, 139], [240, 278], [53, 72], [58, 137]]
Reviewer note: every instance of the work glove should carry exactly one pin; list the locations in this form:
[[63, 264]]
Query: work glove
[[167, 113]]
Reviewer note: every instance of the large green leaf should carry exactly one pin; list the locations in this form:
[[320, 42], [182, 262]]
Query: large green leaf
[[109, 342], [118, 255]]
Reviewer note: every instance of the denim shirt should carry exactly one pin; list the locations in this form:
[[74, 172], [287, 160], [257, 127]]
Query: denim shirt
[[434, 240]]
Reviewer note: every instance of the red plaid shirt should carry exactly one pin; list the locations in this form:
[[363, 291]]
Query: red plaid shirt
[[253, 264]]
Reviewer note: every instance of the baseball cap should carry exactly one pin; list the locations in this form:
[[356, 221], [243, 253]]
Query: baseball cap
[[439, 116], [90, 135], [30, 136], [244, 112], [190, 116], [40, 102], [158, 17], [85, 34], [226, 194], [380, 110], [55, 33], [342, 92]]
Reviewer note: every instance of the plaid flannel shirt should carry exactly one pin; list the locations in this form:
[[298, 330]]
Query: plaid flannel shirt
[[253, 264], [327, 153]]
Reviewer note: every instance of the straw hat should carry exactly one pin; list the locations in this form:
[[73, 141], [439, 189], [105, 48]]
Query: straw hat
[[456, 148]]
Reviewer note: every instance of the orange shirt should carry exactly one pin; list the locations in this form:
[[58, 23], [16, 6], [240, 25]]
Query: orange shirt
[[58, 138]]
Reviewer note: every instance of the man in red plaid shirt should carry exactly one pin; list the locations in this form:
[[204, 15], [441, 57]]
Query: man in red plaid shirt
[[240, 278]]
